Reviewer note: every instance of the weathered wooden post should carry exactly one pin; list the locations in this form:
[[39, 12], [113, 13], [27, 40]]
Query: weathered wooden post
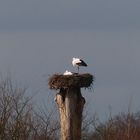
[[70, 102]]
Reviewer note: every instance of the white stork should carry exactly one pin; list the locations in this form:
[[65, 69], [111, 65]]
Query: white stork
[[76, 62], [67, 73]]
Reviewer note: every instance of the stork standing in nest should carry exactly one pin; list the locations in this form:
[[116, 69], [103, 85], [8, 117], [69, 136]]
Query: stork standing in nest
[[76, 62]]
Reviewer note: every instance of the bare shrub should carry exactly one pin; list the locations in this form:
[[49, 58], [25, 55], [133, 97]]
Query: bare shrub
[[19, 120], [125, 126]]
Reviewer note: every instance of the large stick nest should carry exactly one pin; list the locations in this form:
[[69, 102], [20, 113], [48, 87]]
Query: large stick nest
[[58, 81]]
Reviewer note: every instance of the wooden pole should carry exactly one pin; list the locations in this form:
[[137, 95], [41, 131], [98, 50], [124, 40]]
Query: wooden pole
[[70, 103]]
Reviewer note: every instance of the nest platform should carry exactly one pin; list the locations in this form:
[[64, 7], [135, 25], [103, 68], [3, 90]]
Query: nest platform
[[58, 81]]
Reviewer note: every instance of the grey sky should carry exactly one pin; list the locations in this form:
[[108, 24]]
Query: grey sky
[[77, 14], [39, 38]]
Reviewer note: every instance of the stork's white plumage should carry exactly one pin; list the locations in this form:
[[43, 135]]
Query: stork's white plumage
[[67, 73], [78, 62]]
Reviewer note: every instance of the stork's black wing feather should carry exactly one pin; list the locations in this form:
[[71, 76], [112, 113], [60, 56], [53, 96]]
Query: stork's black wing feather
[[82, 63]]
